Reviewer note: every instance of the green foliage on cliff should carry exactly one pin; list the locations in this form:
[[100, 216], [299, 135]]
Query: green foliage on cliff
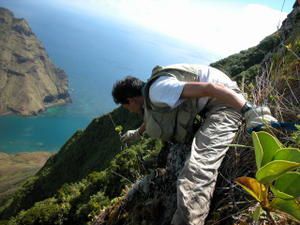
[[86, 151], [247, 63], [77, 203]]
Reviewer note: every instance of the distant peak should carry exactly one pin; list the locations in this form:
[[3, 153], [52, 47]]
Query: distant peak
[[6, 11]]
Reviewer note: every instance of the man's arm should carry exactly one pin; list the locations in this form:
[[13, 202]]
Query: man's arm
[[218, 91]]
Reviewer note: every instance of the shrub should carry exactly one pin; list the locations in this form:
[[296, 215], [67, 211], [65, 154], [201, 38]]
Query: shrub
[[277, 174]]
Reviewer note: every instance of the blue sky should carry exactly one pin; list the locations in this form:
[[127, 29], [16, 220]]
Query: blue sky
[[206, 24], [222, 27], [275, 4]]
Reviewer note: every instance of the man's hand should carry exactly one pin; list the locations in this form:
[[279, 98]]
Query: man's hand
[[131, 136], [258, 116]]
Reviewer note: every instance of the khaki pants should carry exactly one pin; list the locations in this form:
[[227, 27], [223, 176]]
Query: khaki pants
[[198, 177]]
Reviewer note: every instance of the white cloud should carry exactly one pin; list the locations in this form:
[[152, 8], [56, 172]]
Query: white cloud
[[221, 28]]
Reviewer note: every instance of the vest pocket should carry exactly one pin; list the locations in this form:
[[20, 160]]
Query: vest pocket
[[152, 127], [173, 124], [161, 125], [185, 118]]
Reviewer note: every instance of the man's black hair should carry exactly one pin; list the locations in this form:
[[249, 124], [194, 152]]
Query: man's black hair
[[127, 88]]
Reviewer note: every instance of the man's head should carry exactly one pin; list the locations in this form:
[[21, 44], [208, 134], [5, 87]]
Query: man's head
[[128, 93]]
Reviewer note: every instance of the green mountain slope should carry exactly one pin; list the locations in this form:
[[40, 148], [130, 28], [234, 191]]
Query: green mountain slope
[[84, 152], [89, 179]]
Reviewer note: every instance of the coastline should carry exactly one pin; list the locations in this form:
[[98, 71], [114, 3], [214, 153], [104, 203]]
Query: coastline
[[6, 113], [49, 105], [46, 106]]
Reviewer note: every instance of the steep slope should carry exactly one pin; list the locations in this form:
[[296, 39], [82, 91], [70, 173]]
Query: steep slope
[[276, 60], [138, 186], [29, 82], [86, 151]]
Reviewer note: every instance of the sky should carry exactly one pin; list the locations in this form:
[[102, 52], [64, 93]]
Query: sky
[[222, 27]]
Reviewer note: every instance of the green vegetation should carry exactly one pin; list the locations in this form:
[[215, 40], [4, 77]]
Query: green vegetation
[[247, 64], [85, 152], [77, 203], [119, 129], [277, 170]]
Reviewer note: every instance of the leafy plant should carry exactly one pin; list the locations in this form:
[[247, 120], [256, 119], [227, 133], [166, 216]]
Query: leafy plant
[[276, 183], [119, 129], [296, 135]]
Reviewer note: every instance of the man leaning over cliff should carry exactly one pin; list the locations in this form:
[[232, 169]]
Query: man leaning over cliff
[[169, 102]]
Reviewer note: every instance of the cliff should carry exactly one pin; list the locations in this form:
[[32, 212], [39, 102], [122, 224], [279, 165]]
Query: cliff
[[29, 82], [95, 180]]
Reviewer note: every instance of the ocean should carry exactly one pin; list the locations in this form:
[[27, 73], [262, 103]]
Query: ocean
[[94, 52]]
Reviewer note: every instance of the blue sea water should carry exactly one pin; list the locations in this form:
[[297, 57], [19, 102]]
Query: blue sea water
[[94, 52]]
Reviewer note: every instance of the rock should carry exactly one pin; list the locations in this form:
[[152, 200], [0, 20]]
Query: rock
[[29, 81]]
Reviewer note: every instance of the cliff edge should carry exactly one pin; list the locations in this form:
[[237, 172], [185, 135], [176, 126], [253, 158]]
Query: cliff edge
[[29, 81]]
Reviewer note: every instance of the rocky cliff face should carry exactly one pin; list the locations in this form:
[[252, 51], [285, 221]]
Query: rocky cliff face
[[29, 82]]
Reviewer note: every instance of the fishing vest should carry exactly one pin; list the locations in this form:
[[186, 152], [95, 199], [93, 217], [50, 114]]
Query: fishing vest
[[164, 122]]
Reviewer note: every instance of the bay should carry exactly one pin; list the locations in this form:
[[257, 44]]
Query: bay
[[94, 52]]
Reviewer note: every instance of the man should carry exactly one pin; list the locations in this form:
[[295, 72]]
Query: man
[[169, 102]]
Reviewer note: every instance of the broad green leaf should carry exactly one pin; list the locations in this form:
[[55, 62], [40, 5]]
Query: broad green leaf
[[270, 145], [280, 194], [253, 187], [258, 149], [272, 170], [292, 207], [289, 154], [289, 183]]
